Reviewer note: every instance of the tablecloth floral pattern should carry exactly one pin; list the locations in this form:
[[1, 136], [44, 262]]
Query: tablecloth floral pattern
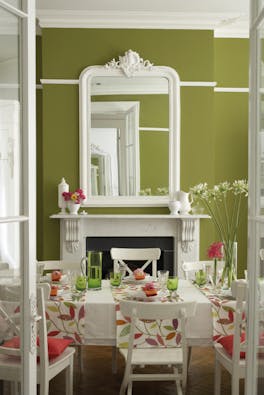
[[167, 333], [65, 319], [149, 333], [223, 314]]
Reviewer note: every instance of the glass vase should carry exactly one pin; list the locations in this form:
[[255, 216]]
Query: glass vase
[[230, 268]]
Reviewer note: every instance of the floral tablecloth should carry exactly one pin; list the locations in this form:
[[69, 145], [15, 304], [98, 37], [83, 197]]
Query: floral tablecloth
[[223, 312], [66, 319], [167, 333], [149, 333]]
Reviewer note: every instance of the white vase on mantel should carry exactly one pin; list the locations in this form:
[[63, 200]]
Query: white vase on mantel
[[183, 197], [73, 207], [174, 206]]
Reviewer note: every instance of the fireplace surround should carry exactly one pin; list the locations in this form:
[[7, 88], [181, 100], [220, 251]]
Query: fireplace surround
[[77, 231]]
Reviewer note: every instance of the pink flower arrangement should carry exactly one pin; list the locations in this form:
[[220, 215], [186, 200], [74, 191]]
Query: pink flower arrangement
[[215, 251], [76, 197]]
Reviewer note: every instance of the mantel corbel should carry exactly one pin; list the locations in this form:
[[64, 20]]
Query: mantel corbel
[[187, 233], [72, 234]]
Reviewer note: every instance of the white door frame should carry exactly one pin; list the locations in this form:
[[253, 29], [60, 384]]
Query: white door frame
[[27, 217]]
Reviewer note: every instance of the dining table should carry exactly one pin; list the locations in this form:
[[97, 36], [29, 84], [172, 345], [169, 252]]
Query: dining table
[[93, 317]]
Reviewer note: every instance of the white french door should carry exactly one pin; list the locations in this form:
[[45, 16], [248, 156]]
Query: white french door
[[255, 373], [17, 176]]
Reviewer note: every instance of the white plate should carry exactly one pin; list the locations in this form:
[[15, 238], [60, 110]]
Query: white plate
[[131, 279], [140, 295]]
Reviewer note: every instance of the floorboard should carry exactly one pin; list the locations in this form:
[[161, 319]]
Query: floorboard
[[97, 377]]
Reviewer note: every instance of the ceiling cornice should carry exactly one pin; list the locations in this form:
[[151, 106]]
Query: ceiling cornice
[[235, 22]]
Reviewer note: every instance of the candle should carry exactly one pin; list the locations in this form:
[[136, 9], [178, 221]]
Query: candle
[[62, 187]]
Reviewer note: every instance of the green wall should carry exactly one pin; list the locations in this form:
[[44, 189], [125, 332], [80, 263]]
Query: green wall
[[210, 122], [231, 123]]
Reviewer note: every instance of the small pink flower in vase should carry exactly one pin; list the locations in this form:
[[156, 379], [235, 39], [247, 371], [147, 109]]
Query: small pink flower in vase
[[76, 197], [215, 252]]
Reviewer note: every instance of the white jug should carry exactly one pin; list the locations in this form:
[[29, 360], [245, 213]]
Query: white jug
[[183, 197]]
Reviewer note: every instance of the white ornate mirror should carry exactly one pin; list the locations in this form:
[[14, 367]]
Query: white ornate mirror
[[128, 157]]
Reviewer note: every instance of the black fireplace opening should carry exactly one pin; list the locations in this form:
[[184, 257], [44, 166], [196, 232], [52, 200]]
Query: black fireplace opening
[[104, 244]]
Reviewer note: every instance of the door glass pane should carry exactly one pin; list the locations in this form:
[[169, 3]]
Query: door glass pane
[[15, 3], [9, 116], [10, 282], [260, 308]]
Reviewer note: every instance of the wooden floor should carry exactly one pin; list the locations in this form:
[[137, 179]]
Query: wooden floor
[[97, 377]]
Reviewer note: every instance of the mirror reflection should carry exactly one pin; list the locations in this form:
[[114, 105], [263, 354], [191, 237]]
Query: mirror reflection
[[129, 136]]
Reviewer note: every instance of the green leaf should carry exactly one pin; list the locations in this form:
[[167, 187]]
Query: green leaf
[[125, 331], [53, 308], [169, 327], [123, 345]]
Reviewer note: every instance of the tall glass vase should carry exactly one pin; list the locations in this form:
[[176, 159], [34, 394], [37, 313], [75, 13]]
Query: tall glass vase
[[230, 268]]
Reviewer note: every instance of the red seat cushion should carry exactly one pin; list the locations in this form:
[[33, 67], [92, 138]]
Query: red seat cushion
[[56, 346], [227, 343]]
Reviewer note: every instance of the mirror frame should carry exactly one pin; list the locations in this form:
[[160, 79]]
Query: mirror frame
[[130, 65]]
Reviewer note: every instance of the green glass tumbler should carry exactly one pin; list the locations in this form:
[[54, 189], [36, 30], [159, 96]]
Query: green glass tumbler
[[115, 279], [172, 284], [94, 270]]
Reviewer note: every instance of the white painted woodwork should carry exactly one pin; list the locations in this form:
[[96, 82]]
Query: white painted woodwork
[[185, 230]]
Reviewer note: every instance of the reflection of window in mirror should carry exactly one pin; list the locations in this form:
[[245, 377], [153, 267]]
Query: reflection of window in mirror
[[114, 133], [104, 168]]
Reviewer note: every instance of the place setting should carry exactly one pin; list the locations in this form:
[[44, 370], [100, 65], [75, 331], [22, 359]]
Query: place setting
[[145, 288]]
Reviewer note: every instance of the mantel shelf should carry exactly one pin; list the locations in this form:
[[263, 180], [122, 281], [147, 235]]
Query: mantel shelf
[[129, 216]]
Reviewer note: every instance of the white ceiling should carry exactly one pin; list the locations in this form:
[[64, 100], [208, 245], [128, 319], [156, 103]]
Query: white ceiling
[[228, 6], [226, 17]]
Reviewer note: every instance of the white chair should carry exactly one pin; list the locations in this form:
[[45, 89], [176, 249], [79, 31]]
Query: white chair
[[11, 368], [150, 255], [174, 357], [234, 364], [189, 268], [64, 266], [59, 265]]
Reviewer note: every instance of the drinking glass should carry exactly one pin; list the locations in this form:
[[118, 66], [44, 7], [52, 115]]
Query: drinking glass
[[172, 284], [94, 270], [162, 279], [115, 279], [200, 277], [80, 283]]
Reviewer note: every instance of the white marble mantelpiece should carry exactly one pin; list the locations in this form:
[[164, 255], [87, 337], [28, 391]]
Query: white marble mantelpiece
[[185, 229]]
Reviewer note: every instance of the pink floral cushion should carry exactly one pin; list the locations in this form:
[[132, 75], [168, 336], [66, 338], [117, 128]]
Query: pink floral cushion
[[56, 346]]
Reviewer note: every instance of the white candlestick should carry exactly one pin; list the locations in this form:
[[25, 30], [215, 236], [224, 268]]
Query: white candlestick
[[62, 187]]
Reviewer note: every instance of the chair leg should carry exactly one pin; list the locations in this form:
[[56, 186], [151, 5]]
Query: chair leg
[[79, 355], [14, 388], [69, 378], [180, 390], [217, 383], [114, 360], [189, 357], [235, 384], [129, 388]]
